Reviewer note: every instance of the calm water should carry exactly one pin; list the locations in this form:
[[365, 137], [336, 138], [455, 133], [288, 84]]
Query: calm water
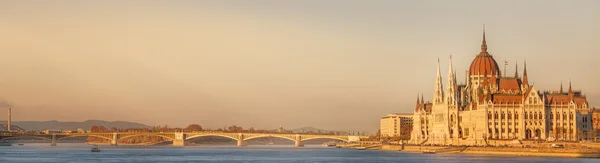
[[40, 153]]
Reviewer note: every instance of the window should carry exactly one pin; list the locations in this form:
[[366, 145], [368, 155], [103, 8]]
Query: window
[[525, 115], [516, 115], [489, 115], [496, 115], [531, 115], [551, 115], [571, 115], [509, 115], [541, 116], [535, 116]]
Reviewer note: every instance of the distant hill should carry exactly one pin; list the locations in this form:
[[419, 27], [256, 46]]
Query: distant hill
[[4, 127], [56, 125]]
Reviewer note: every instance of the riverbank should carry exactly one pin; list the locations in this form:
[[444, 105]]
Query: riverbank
[[502, 151]]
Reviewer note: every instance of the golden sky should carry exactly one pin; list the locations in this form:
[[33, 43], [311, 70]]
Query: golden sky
[[337, 64]]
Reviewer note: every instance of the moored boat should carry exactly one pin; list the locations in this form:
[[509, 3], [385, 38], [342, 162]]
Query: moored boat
[[5, 143], [95, 149]]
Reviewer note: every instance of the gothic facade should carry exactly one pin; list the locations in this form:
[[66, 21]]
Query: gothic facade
[[491, 107]]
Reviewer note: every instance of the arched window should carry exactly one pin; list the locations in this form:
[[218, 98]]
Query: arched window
[[535, 116], [502, 115], [526, 115], [571, 115], [516, 115], [531, 115], [551, 115], [564, 116], [509, 115], [496, 115], [489, 115], [541, 116]]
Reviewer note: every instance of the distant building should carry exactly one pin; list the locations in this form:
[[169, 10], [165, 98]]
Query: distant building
[[280, 129], [80, 130], [396, 124], [52, 131]]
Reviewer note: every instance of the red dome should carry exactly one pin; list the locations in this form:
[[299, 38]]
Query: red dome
[[484, 63]]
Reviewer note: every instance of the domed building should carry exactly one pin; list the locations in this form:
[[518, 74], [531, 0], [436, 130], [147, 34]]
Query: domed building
[[494, 109]]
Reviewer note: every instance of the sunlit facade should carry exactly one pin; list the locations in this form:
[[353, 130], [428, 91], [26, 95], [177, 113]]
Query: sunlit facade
[[490, 107]]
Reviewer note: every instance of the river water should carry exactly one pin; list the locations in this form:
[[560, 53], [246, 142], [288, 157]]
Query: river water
[[76, 153]]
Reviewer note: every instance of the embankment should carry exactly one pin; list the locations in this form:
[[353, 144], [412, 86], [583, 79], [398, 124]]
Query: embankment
[[504, 151]]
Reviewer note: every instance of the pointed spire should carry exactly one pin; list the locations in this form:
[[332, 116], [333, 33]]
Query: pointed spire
[[450, 90], [467, 78], [525, 79], [570, 90], [483, 42], [561, 90], [438, 96], [516, 70], [418, 100], [422, 99]]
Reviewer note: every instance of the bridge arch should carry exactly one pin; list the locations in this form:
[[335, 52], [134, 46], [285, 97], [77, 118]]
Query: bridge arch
[[207, 135], [148, 134], [324, 137], [26, 136], [267, 136], [96, 136]]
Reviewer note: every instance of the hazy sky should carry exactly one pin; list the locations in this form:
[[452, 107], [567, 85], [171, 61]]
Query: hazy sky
[[335, 64]]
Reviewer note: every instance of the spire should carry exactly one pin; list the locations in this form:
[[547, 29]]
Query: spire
[[525, 79], [422, 99], [561, 90], [516, 70], [450, 91], [418, 100], [570, 90], [467, 78], [483, 42], [438, 96]]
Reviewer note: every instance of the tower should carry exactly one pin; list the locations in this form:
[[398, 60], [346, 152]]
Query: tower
[[450, 90], [525, 78], [438, 96], [9, 119]]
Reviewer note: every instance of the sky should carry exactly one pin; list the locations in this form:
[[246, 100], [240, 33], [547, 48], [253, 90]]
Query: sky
[[337, 64]]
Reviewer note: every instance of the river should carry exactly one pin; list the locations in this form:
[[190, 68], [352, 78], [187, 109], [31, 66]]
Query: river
[[76, 153]]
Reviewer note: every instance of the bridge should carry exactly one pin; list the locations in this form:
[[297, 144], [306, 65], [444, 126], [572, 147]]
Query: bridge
[[180, 138]]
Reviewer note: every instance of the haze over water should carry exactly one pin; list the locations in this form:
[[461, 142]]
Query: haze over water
[[65, 153]]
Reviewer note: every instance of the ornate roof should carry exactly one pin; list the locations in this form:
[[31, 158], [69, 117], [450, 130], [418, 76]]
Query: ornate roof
[[484, 63]]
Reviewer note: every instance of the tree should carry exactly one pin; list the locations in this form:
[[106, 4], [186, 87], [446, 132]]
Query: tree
[[193, 127]]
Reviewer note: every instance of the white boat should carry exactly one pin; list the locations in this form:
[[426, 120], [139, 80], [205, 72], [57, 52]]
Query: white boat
[[329, 144]]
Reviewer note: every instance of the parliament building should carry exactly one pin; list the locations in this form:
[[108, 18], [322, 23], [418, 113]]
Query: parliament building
[[494, 109]]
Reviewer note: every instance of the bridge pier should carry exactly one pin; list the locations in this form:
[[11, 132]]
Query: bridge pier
[[179, 139], [53, 140], [240, 141], [298, 142], [115, 140]]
